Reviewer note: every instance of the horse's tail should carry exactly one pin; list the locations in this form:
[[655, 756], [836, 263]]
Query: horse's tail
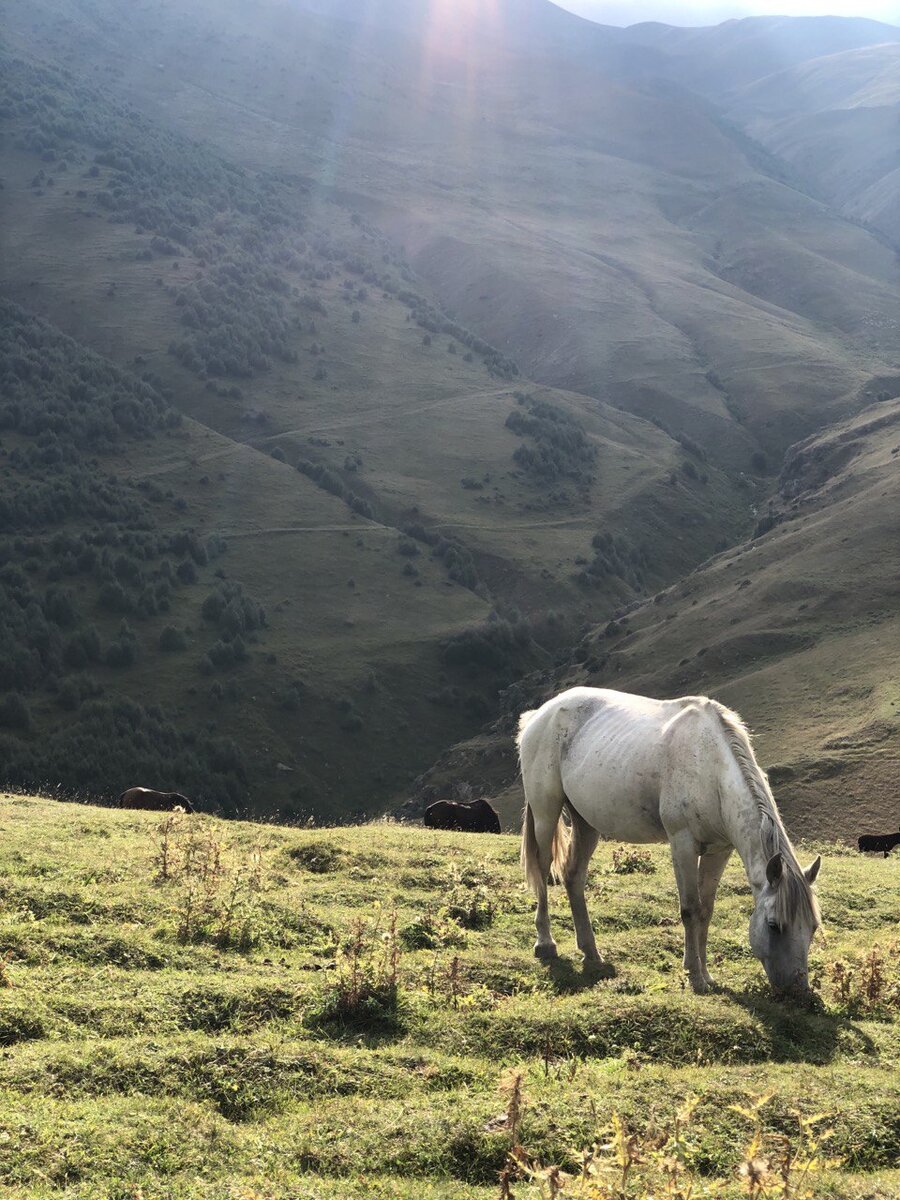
[[562, 839], [529, 853], [524, 722], [562, 835], [562, 844]]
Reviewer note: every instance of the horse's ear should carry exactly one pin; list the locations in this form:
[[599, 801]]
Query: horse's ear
[[813, 870], [774, 869]]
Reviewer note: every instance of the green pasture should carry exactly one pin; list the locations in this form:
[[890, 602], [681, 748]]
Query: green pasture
[[199, 1008]]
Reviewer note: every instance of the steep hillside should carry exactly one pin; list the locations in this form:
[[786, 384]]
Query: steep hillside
[[797, 629], [383, 478], [835, 120], [200, 1009], [149, 633], [820, 93], [484, 325], [588, 225]]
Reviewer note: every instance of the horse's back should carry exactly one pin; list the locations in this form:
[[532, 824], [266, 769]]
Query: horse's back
[[615, 751], [599, 749]]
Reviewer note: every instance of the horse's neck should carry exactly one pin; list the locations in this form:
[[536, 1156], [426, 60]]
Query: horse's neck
[[744, 821]]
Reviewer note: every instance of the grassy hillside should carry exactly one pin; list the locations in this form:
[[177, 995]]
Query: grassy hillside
[[384, 480], [796, 629], [588, 224], [831, 118], [198, 1008]]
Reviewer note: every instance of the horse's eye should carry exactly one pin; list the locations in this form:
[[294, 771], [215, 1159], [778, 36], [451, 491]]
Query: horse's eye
[[774, 926]]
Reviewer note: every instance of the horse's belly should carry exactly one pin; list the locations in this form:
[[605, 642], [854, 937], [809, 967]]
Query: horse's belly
[[621, 805]]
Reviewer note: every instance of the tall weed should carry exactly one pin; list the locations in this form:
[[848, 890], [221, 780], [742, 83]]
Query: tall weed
[[218, 886], [366, 983], [622, 1165]]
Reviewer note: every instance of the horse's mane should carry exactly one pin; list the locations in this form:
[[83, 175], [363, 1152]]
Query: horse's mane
[[794, 896]]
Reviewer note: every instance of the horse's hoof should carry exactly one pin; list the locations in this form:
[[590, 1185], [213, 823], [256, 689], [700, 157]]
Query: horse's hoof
[[546, 953], [700, 987]]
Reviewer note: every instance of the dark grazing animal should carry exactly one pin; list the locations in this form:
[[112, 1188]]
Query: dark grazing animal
[[885, 842], [152, 801], [477, 817]]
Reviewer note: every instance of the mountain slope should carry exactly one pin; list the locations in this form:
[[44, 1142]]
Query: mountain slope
[[820, 93], [384, 480], [421, 277], [555, 206], [717, 60], [836, 120], [797, 629]]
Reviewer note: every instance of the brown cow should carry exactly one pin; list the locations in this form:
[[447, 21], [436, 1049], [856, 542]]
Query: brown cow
[[477, 817], [149, 800]]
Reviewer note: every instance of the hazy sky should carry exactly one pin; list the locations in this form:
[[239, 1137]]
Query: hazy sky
[[708, 12]]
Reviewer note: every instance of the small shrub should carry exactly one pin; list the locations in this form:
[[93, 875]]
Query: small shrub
[[366, 982], [631, 860], [470, 902], [219, 886], [321, 858], [432, 931], [867, 988], [625, 1164], [171, 640], [14, 712]]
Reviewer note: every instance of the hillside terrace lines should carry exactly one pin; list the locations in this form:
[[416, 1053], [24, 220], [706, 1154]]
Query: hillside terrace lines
[[586, 520], [384, 415]]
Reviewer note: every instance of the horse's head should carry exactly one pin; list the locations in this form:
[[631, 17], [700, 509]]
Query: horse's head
[[783, 923]]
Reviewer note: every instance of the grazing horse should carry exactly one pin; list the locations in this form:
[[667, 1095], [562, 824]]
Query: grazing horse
[[885, 842], [152, 801], [683, 771], [476, 817]]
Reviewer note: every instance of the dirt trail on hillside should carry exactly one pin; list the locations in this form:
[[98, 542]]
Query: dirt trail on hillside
[[375, 416], [485, 527], [352, 422]]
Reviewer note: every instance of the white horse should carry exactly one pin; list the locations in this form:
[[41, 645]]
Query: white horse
[[683, 771]]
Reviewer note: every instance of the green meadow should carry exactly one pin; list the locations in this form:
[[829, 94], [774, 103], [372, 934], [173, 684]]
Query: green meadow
[[192, 1007]]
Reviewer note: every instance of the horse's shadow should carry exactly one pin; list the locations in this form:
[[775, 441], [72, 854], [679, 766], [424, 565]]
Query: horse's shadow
[[568, 977], [794, 1031], [802, 1032]]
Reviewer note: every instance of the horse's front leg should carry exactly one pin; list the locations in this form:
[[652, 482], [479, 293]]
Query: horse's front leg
[[685, 859], [709, 873]]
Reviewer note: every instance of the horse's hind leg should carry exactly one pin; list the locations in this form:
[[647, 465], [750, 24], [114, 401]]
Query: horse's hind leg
[[581, 847], [708, 876], [544, 833], [543, 808]]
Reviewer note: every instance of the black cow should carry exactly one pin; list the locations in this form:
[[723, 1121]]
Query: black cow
[[885, 842], [477, 817]]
